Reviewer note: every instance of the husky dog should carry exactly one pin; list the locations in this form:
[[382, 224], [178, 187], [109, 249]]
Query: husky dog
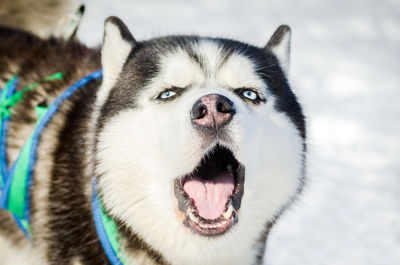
[[197, 146]]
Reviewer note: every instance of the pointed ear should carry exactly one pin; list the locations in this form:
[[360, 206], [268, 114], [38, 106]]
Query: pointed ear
[[118, 43], [279, 44]]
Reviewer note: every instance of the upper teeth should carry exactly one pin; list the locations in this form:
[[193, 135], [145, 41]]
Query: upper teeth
[[229, 168]]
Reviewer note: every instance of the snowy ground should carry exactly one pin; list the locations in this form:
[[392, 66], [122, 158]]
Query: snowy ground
[[346, 72]]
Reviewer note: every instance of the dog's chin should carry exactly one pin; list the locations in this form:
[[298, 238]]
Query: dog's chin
[[210, 196]]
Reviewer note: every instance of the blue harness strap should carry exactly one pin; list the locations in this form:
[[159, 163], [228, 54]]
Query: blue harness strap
[[16, 184], [106, 230], [5, 94]]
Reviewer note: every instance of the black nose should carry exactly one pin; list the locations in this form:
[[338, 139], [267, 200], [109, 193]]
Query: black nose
[[212, 111]]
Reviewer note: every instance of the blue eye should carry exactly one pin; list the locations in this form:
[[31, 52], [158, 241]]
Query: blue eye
[[167, 94], [250, 95]]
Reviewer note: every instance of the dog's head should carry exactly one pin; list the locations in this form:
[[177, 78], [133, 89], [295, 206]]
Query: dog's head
[[200, 141]]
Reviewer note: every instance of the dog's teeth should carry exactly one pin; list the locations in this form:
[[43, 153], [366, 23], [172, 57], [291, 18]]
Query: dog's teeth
[[219, 225], [228, 212], [193, 218], [229, 168], [203, 225]]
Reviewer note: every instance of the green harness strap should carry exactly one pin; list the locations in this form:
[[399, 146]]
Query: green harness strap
[[7, 104], [107, 231], [10, 85], [14, 194], [15, 197]]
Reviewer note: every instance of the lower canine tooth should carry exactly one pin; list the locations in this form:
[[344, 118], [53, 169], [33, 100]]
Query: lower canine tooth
[[228, 212], [194, 218]]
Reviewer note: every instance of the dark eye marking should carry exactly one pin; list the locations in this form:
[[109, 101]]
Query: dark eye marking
[[250, 95], [170, 93]]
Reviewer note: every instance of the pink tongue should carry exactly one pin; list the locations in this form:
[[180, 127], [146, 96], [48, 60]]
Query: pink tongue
[[210, 196]]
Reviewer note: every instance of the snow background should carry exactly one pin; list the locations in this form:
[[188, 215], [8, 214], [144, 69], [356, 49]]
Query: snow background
[[345, 71]]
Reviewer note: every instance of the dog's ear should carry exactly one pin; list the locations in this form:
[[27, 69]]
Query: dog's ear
[[118, 43], [279, 44]]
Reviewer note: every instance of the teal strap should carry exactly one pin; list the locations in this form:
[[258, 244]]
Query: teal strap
[[7, 104], [112, 233], [17, 195], [107, 230], [6, 92], [14, 193]]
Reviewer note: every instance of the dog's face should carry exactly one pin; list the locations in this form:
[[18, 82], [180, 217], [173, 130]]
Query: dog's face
[[200, 142]]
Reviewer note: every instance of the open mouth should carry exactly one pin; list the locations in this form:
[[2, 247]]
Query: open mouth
[[210, 196]]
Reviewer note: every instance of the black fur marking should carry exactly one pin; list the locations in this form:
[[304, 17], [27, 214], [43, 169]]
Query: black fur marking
[[123, 29], [194, 56], [262, 242], [268, 69], [72, 230], [277, 37]]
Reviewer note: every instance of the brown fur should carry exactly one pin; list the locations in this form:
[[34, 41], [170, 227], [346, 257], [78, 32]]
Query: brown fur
[[65, 227], [33, 59]]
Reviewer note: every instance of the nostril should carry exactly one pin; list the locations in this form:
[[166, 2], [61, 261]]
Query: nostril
[[225, 106], [220, 107], [202, 112], [199, 112]]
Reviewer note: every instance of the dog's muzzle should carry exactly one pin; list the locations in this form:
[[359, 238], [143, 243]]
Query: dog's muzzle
[[212, 112]]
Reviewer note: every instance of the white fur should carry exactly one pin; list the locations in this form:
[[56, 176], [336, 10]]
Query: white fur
[[282, 52], [238, 72], [177, 70], [142, 151], [21, 253], [139, 258]]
